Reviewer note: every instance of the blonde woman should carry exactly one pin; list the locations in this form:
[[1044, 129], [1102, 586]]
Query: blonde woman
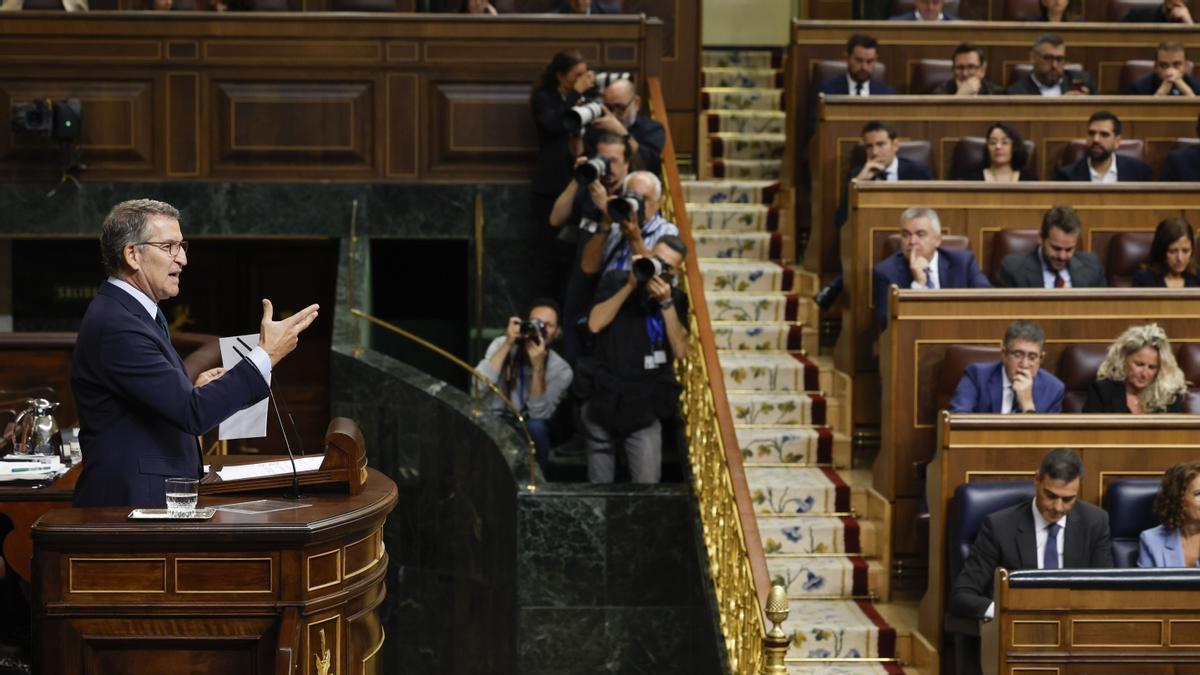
[[1138, 376]]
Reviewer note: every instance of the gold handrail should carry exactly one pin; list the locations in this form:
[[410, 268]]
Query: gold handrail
[[532, 484], [731, 538]]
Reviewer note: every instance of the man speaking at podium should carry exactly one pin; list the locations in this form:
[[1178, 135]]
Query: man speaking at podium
[[138, 411]]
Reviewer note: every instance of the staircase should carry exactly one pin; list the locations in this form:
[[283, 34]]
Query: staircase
[[823, 529]]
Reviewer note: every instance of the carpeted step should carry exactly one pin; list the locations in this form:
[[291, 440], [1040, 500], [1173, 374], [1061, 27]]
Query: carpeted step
[[838, 629], [794, 490], [746, 169], [775, 409], [753, 245], [745, 78], [768, 372], [766, 307], [741, 98], [823, 576], [809, 536], [752, 59], [749, 336], [747, 276], [734, 217], [845, 669], [785, 445], [744, 121], [699, 193], [746, 146]]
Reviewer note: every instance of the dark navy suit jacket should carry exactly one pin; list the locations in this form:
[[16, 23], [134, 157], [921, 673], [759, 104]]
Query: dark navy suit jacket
[[1128, 169], [835, 86], [905, 170], [912, 16], [1181, 165], [956, 269], [981, 390], [1148, 84], [139, 414]]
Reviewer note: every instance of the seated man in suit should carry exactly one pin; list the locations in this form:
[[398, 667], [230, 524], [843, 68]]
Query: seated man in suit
[[883, 163], [1170, 11], [921, 263], [1170, 76], [1056, 531], [139, 412], [1055, 263], [970, 73], [1049, 76], [861, 54], [1183, 164], [1102, 163], [926, 10], [1014, 384]]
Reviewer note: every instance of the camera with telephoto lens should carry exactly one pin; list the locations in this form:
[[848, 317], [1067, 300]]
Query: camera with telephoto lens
[[532, 330], [590, 110], [592, 170], [645, 269], [626, 206]]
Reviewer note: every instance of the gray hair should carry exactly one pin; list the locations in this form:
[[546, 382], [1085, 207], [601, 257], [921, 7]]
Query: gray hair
[[1027, 331], [1062, 464], [126, 225], [657, 191], [922, 212]]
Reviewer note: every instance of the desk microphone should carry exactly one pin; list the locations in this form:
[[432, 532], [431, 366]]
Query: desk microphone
[[295, 493]]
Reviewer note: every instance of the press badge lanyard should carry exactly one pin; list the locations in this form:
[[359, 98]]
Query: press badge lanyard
[[655, 330]]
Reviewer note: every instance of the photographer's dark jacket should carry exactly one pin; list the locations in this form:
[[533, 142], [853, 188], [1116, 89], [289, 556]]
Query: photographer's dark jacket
[[553, 169], [558, 379], [650, 137], [623, 394]]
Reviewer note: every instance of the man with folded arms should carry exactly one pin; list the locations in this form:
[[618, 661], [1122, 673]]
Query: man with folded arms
[[1014, 384]]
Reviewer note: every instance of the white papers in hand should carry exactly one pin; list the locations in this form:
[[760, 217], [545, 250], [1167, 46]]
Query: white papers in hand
[[261, 469], [248, 422]]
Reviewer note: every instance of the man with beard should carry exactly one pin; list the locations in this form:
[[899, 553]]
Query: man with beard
[[861, 54], [1170, 76], [622, 117], [1055, 263], [1049, 75], [1102, 163]]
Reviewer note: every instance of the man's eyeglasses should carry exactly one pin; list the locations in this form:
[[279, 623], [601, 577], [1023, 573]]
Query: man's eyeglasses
[[1053, 58], [171, 248], [620, 108], [1032, 357], [967, 67]]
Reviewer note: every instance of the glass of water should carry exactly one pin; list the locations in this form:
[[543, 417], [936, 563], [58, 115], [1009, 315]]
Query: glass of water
[[181, 495]]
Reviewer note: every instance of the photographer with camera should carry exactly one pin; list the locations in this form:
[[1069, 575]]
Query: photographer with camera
[[628, 384], [622, 116], [531, 375], [632, 225]]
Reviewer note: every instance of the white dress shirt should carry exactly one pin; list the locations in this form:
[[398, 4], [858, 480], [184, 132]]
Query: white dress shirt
[[258, 356], [1055, 89], [866, 86], [1040, 536], [935, 280], [1048, 274], [1109, 176], [1009, 399], [892, 172]]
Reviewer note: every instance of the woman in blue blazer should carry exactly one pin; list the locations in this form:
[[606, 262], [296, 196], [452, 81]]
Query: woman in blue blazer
[[1175, 543]]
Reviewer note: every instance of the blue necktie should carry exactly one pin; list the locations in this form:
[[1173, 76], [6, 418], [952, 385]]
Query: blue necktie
[[161, 320], [929, 277], [1050, 559]]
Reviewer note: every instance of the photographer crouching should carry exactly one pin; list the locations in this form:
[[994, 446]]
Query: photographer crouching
[[628, 383], [531, 375]]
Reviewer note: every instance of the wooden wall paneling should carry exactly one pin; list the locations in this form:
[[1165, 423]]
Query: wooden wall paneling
[[681, 30], [925, 323], [402, 120], [468, 126], [182, 137]]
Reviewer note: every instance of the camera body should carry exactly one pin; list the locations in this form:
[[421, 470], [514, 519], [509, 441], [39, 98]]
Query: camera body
[[60, 120], [645, 269], [628, 205], [592, 170], [533, 330]]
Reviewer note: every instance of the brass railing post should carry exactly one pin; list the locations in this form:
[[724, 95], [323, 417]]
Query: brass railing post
[[776, 641]]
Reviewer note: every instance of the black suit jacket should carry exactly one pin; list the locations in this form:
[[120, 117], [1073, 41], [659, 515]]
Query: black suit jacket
[[906, 170], [950, 88], [1007, 540], [1148, 278], [1128, 169], [1024, 270], [912, 16], [139, 414], [1182, 164], [838, 86], [1027, 87], [1152, 14], [552, 171], [1147, 85], [1026, 174], [1108, 396]]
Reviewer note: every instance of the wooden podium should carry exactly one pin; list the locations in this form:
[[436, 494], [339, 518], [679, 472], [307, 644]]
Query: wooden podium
[[289, 592]]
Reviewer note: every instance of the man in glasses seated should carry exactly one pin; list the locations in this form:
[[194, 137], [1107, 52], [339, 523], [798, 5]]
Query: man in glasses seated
[[139, 411], [1014, 384], [1050, 76], [623, 117]]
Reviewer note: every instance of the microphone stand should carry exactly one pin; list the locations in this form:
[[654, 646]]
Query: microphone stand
[[295, 491]]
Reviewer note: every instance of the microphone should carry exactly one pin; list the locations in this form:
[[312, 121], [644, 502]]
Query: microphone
[[295, 492]]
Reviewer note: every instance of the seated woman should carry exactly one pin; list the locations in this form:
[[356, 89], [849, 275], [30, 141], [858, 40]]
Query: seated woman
[[1172, 262], [1006, 157], [1175, 543], [1139, 375], [1057, 11]]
